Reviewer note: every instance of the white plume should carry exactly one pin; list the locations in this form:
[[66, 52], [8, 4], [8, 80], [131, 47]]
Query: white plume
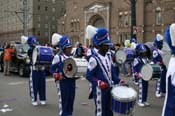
[[172, 34], [159, 37], [90, 32], [127, 43], [56, 38], [24, 39], [133, 45]]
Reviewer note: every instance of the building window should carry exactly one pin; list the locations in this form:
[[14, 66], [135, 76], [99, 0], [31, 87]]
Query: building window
[[39, 18], [53, 1], [38, 33], [126, 21], [39, 7], [120, 39], [53, 18], [53, 9], [46, 8], [158, 16], [121, 19], [46, 17], [46, 26], [72, 25], [53, 26], [46, 33], [38, 25]]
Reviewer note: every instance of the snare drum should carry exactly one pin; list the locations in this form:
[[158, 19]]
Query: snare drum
[[150, 71], [123, 100], [124, 55], [75, 67], [42, 55]]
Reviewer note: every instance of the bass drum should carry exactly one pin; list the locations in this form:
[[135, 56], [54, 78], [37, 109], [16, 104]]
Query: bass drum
[[150, 71], [42, 55], [124, 55], [75, 67]]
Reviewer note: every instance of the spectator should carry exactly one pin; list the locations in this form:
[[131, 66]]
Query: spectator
[[117, 46], [7, 59], [79, 53]]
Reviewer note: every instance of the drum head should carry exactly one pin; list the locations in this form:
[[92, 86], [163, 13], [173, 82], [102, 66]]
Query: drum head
[[146, 72], [69, 68], [120, 56], [34, 55], [123, 93]]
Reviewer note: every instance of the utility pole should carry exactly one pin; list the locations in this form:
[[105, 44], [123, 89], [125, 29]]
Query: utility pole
[[133, 18], [25, 17]]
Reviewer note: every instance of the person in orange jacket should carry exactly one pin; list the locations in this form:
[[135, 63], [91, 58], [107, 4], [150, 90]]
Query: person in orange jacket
[[7, 59]]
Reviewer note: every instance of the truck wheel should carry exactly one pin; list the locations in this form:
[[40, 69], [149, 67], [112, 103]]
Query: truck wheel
[[21, 70]]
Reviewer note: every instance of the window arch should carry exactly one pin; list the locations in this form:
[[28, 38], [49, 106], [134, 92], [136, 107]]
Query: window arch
[[158, 16], [97, 21]]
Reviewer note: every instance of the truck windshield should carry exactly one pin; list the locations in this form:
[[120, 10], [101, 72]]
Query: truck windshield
[[22, 48]]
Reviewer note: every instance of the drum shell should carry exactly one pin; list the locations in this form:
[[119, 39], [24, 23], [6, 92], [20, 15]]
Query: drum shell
[[123, 106], [42, 55], [79, 67], [150, 71], [81, 64]]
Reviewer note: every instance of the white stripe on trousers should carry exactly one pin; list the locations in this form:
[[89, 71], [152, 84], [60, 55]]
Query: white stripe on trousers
[[140, 90], [59, 97], [158, 86], [31, 85], [99, 101]]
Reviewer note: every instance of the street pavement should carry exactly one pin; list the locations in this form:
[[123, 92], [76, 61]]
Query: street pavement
[[15, 100]]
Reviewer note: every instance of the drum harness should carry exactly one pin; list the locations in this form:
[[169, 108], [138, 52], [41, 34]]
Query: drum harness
[[105, 71], [60, 55], [33, 66], [62, 58]]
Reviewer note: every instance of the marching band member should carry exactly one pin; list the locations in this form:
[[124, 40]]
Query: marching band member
[[169, 103], [133, 40], [91, 51], [133, 43], [101, 74], [37, 81], [89, 32], [65, 86], [135, 79], [157, 59], [139, 61]]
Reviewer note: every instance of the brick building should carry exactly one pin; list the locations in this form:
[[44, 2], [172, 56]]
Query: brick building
[[152, 17], [42, 19]]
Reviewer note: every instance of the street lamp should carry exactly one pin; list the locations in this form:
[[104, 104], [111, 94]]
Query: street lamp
[[25, 17], [133, 18]]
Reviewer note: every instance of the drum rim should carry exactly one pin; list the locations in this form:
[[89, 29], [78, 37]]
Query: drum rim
[[125, 99], [149, 65], [123, 61], [68, 76], [151, 70]]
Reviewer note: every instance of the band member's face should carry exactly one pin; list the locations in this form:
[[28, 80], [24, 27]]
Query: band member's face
[[160, 46], [105, 48], [67, 51], [144, 54]]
